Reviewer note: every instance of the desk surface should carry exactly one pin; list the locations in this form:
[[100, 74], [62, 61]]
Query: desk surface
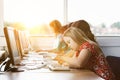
[[46, 74], [50, 75]]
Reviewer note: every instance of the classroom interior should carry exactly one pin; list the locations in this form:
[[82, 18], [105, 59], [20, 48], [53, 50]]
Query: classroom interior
[[25, 37]]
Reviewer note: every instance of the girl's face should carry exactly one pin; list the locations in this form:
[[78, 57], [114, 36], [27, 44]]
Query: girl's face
[[71, 43]]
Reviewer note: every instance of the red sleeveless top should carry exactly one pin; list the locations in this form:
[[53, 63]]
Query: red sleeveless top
[[97, 62]]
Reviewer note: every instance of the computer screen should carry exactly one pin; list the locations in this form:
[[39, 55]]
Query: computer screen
[[12, 45], [24, 43]]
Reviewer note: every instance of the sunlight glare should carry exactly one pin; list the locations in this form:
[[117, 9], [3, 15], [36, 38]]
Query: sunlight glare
[[31, 12]]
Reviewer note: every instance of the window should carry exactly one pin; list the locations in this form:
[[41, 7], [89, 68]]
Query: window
[[34, 15], [103, 15]]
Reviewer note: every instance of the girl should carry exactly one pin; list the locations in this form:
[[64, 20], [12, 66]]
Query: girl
[[59, 46], [88, 54]]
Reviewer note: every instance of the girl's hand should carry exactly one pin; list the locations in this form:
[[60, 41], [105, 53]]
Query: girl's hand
[[65, 64]]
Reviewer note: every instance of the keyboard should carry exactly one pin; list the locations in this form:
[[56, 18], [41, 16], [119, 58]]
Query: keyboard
[[30, 64], [33, 67], [58, 67]]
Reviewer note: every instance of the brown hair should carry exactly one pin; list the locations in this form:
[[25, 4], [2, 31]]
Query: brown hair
[[64, 27], [84, 26]]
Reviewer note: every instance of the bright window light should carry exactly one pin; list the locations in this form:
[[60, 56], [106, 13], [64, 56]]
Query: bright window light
[[33, 13]]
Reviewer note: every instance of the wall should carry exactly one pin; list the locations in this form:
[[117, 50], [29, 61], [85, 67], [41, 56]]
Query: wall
[[43, 42], [110, 45]]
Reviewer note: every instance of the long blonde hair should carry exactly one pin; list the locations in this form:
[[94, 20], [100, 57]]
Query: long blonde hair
[[76, 34]]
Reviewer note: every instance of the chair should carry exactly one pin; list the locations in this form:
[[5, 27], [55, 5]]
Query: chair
[[114, 63]]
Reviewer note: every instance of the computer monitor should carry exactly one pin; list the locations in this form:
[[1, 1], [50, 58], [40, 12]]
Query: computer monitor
[[12, 45], [18, 42], [24, 43]]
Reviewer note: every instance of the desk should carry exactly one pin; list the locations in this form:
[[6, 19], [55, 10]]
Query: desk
[[46, 74], [50, 75]]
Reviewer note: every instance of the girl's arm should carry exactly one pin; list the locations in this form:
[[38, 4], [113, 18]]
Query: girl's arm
[[80, 61]]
